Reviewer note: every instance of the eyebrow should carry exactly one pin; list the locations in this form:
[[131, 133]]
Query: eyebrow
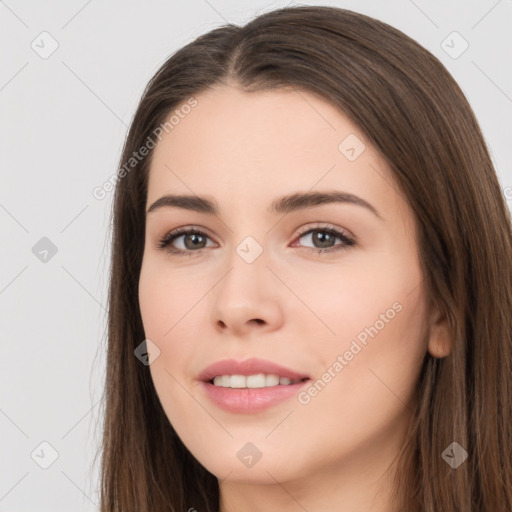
[[282, 205]]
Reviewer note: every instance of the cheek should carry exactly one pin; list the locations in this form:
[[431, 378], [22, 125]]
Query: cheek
[[383, 360], [165, 319], [357, 299], [368, 387], [164, 299], [169, 305], [376, 315], [155, 306]]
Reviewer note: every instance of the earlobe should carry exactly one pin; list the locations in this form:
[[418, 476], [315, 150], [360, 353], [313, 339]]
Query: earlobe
[[439, 340]]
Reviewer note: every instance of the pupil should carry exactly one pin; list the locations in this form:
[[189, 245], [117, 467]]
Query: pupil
[[319, 235], [194, 237]]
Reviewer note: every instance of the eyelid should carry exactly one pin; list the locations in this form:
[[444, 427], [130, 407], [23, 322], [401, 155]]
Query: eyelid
[[324, 225]]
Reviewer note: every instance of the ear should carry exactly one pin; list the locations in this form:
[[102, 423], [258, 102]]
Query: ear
[[439, 339]]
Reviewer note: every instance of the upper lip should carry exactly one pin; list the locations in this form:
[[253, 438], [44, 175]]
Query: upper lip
[[251, 366]]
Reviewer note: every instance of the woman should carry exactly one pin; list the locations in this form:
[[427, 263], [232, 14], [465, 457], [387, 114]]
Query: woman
[[311, 286]]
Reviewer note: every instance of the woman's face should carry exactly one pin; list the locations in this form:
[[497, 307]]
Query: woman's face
[[328, 288]]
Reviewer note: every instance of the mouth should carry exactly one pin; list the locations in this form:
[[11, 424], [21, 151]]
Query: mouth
[[250, 386]]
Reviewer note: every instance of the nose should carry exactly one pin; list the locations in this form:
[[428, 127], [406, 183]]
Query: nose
[[247, 299]]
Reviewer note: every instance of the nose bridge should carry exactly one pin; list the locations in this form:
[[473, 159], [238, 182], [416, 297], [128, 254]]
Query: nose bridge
[[247, 268], [247, 291]]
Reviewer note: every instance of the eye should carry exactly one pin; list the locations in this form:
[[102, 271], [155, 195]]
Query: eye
[[193, 241], [324, 237]]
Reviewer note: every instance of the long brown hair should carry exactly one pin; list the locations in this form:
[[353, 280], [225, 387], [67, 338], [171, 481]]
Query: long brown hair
[[415, 114]]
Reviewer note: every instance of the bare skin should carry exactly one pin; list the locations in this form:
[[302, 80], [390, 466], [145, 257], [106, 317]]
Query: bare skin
[[292, 305]]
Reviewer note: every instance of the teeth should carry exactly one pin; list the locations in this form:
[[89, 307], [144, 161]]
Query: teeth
[[271, 380], [238, 381], [259, 380], [255, 381]]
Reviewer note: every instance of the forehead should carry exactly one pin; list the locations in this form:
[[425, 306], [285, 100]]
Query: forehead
[[228, 122], [264, 144]]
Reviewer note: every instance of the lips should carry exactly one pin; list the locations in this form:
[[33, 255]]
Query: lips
[[248, 367], [240, 400]]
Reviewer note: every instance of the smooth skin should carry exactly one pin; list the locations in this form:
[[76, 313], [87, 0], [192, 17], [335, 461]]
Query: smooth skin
[[293, 305]]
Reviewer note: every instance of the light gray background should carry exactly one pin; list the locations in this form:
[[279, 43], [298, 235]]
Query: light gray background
[[63, 122]]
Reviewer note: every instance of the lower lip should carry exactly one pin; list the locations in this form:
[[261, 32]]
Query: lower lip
[[247, 400]]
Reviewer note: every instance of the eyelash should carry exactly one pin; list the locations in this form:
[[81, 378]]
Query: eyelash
[[165, 241]]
